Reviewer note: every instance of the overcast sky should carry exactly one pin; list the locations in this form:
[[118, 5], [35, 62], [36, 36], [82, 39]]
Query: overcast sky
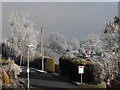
[[74, 20]]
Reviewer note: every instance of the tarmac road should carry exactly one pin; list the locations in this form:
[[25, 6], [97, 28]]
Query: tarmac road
[[44, 81]]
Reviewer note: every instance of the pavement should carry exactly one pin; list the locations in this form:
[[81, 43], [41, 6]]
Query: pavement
[[43, 80]]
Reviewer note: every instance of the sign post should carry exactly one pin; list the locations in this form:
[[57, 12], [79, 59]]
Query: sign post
[[81, 71], [81, 77]]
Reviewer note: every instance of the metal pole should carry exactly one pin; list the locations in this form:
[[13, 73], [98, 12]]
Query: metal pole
[[28, 69], [81, 77], [41, 41], [42, 53], [43, 60], [42, 49]]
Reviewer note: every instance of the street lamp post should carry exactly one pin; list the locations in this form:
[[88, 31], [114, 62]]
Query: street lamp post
[[28, 68]]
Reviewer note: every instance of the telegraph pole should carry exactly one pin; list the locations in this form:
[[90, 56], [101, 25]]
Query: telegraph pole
[[42, 50]]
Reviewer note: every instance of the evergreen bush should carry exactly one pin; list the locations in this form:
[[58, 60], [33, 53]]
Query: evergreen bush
[[57, 69], [69, 68], [50, 65]]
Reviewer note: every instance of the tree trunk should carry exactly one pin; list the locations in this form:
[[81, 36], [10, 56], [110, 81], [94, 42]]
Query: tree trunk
[[21, 59]]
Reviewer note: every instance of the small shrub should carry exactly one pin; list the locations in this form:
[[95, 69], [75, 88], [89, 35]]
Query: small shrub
[[5, 78], [50, 65], [15, 69], [57, 69], [37, 63]]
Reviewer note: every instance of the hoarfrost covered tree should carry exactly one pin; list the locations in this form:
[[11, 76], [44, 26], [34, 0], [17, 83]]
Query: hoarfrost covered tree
[[58, 44], [111, 46], [108, 45], [92, 45], [21, 34], [74, 43]]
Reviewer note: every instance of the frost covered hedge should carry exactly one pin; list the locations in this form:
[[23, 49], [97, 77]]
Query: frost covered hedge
[[69, 68], [9, 72]]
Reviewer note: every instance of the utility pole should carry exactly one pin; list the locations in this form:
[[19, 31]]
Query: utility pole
[[42, 50]]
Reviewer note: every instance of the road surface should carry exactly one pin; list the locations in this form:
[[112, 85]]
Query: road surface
[[46, 81]]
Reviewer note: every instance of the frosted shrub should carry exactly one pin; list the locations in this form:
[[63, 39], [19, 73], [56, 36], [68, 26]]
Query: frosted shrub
[[15, 69]]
